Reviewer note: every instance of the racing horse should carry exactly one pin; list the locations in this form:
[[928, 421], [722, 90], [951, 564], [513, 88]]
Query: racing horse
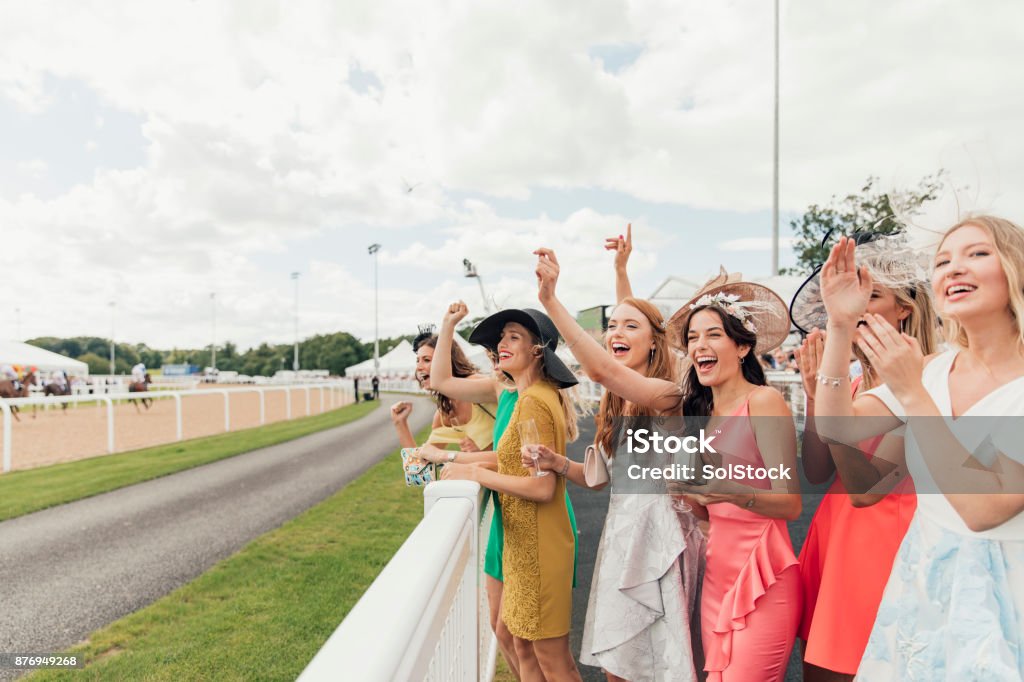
[[141, 387], [8, 389], [55, 389]]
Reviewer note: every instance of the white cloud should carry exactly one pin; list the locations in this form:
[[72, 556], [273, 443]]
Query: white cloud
[[280, 123], [755, 244], [35, 168]]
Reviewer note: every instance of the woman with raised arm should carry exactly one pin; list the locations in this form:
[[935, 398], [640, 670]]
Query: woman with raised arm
[[642, 615], [751, 597], [954, 602], [853, 538], [540, 544], [468, 425]]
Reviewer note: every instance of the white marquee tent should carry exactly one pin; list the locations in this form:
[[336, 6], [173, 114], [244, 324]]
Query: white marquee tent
[[17, 353], [400, 361]]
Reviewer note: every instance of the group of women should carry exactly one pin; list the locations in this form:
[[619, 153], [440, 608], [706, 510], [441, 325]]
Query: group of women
[[703, 583]]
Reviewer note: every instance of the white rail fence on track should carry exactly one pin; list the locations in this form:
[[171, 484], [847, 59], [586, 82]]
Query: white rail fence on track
[[425, 616], [331, 395]]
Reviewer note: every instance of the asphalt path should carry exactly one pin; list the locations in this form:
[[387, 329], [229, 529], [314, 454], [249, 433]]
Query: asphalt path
[[67, 571], [591, 506]]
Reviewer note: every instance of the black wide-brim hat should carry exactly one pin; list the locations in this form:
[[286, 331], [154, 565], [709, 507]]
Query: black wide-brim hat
[[488, 334]]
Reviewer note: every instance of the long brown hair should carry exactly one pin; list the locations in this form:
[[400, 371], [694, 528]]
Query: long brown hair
[[461, 368], [698, 400], [660, 363]]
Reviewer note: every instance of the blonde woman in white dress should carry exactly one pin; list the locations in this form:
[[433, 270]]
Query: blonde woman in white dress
[[953, 608]]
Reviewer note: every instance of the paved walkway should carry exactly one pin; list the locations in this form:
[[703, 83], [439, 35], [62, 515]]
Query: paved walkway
[[67, 571]]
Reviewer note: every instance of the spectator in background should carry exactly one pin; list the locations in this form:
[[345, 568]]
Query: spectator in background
[[355, 387], [376, 388]]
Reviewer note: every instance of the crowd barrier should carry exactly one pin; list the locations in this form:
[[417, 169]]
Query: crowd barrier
[[331, 394], [425, 616]]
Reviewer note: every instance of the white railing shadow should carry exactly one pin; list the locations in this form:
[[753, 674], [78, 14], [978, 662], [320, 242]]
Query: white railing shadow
[[425, 616]]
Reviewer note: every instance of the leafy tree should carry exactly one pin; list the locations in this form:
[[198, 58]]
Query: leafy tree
[[97, 365], [868, 209]]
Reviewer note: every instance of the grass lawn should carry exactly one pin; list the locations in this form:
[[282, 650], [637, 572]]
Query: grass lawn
[[22, 492], [263, 613]]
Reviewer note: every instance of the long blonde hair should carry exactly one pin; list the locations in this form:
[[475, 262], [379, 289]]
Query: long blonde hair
[[568, 398], [1008, 238]]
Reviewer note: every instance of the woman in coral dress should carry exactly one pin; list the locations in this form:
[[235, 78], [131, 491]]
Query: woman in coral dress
[[751, 598], [854, 536]]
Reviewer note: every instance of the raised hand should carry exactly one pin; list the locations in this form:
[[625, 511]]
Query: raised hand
[[455, 313], [622, 246], [845, 289], [808, 357], [547, 274], [896, 358], [400, 411]]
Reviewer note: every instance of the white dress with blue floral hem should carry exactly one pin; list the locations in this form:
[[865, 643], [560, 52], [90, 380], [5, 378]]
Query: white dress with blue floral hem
[[953, 608]]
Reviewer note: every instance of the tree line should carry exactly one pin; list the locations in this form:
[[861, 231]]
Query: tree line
[[333, 352]]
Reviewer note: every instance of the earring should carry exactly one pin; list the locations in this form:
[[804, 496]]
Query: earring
[[903, 325], [650, 357]]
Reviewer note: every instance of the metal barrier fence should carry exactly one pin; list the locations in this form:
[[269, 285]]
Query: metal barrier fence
[[424, 617], [332, 394]]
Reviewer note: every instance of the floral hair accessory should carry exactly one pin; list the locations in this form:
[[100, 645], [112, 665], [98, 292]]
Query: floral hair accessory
[[758, 308], [731, 304]]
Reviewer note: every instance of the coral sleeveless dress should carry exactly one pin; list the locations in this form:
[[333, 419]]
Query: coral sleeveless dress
[[845, 563], [751, 600]]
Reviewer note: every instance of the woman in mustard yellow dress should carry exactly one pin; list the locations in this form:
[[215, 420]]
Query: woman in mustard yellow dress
[[539, 542]]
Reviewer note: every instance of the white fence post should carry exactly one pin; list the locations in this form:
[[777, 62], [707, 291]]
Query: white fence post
[[177, 412], [7, 434], [110, 422], [308, 409], [227, 410]]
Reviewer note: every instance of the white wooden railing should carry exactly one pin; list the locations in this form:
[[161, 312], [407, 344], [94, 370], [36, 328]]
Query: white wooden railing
[[331, 395], [425, 616]]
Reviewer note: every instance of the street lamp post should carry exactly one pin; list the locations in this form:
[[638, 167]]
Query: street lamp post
[[471, 272], [775, 156], [295, 361], [213, 335], [374, 248], [112, 305]]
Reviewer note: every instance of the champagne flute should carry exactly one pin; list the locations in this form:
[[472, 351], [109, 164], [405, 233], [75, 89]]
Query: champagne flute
[[529, 438]]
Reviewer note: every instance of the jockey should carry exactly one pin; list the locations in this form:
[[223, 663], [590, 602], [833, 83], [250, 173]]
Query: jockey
[[139, 373], [60, 379], [7, 372]]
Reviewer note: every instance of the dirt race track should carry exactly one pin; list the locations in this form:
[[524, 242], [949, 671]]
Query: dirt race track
[[81, 431]]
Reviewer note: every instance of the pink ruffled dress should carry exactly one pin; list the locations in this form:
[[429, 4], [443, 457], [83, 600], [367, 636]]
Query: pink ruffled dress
[[751, 601]]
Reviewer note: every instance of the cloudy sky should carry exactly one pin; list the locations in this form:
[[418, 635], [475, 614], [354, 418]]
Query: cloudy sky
[[153, 153]]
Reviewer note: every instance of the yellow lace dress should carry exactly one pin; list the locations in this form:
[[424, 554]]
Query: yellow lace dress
[[539, 541]]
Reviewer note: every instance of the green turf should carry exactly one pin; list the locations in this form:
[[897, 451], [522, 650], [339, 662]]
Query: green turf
[[22, 492], [263, 613]]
